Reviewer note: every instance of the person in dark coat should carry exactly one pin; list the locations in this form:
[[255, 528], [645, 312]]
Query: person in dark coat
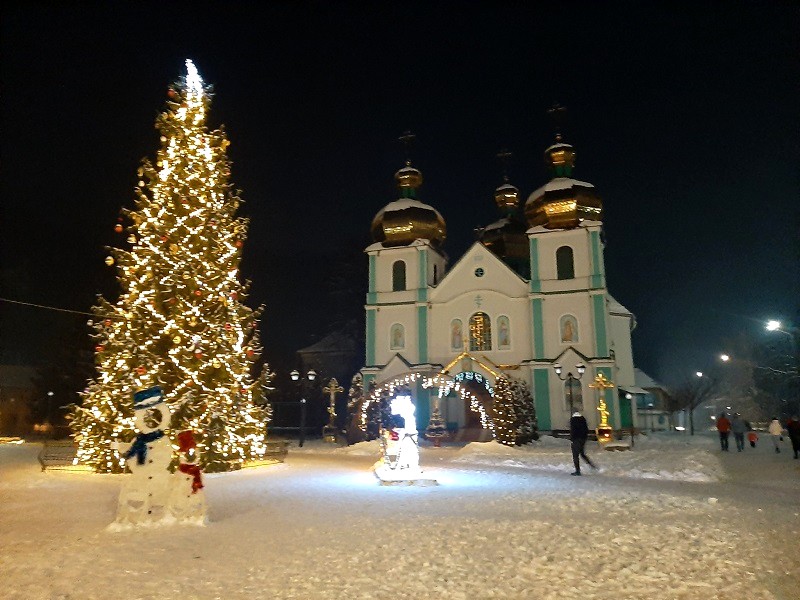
[[793, 427], [578, 433], [739, 428]]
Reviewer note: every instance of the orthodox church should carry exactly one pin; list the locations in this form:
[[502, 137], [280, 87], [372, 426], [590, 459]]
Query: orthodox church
[[528, 300]]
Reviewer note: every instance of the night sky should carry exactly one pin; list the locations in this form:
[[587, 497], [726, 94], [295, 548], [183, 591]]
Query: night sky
[[683, 115]]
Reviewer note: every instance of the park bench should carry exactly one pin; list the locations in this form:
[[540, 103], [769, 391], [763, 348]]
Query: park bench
[[60, 455]]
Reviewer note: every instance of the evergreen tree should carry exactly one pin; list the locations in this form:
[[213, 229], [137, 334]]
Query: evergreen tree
[[527, 426], [504, 414], [180, 321]]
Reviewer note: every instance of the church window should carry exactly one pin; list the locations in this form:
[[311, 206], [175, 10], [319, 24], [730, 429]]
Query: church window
[[397, 337], [480, 332], [573, 394], [398, 276], [565, 263]]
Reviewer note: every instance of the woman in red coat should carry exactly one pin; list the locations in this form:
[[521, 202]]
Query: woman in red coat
[[724, 428]]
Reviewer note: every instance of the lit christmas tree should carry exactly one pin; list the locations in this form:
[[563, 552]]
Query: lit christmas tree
[[436, 429], [180, 322], [504, 415]]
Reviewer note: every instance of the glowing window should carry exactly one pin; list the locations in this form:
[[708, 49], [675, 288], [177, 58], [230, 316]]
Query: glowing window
[[480, 332]]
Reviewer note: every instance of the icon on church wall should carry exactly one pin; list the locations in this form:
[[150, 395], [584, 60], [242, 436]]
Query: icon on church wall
[[397, 337], [503, 333], [456, 335], [569, 329]]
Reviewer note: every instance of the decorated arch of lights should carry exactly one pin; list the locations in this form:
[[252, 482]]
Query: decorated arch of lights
[[445, 385]]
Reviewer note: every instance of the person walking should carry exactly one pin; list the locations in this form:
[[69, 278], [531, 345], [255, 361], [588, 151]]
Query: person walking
[[724, 428], [776, 431], [793, 427], [739, 428], [579, 433]]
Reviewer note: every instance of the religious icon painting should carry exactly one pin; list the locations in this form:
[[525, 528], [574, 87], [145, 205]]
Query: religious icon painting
[[503, 333], [569, 329], [456, 335], [397, 337]]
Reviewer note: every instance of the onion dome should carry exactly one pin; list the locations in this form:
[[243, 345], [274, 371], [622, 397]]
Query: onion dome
[[563, 203], [406, 219], [507, 198], [506, 238]]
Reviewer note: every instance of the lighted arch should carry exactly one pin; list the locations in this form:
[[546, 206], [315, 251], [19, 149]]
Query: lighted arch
[[444, 382]]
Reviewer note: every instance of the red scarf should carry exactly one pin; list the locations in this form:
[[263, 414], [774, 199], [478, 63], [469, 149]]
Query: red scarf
[[193, 470]]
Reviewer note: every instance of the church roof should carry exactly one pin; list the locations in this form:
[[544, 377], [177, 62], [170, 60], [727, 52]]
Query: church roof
[[643, 380]]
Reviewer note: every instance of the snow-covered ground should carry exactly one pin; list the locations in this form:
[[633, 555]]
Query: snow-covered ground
[[673, 518]]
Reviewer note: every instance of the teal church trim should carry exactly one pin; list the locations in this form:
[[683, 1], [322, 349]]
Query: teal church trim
[[422, 411], [599, 304], [422, 333], [538, 327], [372, 296], [597, 264], [422, 288], [536, 283], [370, 337], [541, 397]]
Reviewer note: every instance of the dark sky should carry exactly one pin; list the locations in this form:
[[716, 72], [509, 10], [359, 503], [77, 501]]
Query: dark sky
[[684, 115]]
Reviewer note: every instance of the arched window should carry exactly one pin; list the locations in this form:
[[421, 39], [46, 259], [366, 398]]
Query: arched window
[[398, 276], [573, 394], [565, 263], [480, 332], [397, 337]]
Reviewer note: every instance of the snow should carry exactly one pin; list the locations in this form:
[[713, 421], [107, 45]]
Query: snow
[[558, 183], [672, 518], [404, 204]]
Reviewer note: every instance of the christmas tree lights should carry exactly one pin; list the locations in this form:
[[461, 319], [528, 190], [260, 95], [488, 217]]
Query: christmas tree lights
[[180, 321]]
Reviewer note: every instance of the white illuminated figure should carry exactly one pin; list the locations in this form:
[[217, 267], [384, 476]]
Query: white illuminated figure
[[401, 450], [145, 495]]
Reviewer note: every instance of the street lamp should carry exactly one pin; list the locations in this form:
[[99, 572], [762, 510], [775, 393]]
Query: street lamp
[[773, 325], [310, 376], [570, 379], [724, 357]]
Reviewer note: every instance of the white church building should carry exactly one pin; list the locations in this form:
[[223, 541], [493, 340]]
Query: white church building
[[527, 298]]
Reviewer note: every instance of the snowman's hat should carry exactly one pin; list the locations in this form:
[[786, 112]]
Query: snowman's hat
[[147, 398]]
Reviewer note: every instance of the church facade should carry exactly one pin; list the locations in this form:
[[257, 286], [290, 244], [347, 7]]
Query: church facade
[[528, 300]]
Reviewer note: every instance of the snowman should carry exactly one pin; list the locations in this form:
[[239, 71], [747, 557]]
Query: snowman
[[400, 445], [187, 501], [145, 494]]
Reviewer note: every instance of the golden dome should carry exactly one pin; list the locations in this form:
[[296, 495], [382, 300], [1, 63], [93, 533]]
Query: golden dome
[[507, 198], [563, 203], [406, 219]]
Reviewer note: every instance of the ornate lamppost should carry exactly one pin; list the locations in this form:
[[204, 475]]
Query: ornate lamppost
[[329, 430], [570, 379], [604, 431], [310, 376]]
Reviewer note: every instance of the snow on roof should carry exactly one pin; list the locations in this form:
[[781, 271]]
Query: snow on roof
[[558, 183], [614, 307], [506, 186], [403, 204], [330, 343], [643, 380], [557, 146], [499, 224]]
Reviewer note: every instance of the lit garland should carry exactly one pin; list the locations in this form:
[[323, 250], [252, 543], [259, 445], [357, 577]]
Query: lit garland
[[444, 382], [179, 322]]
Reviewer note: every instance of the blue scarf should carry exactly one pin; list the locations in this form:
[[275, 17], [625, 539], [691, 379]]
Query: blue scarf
[[139, 447]]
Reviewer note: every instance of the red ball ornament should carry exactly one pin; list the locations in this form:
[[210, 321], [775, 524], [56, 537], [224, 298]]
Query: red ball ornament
[[234, 296], [198, 353], [118, 228], [99, 348], [141, 370], [227, 326], [238, 243], [250, 353], [172, 93], [198, 293], [163, 238], [107, 322]]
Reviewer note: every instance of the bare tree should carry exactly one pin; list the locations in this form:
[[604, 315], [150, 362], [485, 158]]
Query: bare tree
[[691, 393]]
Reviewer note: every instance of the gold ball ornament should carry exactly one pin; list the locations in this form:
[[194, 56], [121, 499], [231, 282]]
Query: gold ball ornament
[[131, 239], [109, 260], [216, 364], [176, 339]]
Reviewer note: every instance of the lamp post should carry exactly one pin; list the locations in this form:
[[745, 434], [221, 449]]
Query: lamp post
[[329, 430], [570, 378], [310, 376]]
